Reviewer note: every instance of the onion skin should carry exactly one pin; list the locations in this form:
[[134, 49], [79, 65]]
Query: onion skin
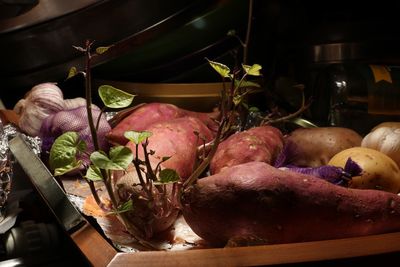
[[40, 102]]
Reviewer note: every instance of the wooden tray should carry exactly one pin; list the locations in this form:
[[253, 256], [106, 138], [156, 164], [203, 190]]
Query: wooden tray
[[265, 255], [99, 252]]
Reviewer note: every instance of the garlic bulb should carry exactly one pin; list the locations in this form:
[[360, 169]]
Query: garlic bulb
[[390, 124], [41, 101], [386, 140], [74, 103]]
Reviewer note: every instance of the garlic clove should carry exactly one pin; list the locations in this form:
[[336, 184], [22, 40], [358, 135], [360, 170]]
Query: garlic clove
[[74, 103], [41, 101]]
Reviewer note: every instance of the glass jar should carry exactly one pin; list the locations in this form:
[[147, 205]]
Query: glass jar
[[358, 96]]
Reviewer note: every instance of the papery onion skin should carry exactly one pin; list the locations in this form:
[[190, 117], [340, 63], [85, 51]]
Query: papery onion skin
[[40, 102]]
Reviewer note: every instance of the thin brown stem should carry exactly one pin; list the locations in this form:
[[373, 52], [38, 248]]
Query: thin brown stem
[[248, 32]]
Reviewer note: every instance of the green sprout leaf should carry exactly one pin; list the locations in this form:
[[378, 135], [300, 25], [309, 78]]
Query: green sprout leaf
[[253, 109], [222, 69], [93, 173], [115, 98], [237, 99], [63, 153], [137, 137], [165, 158], [253, 70], [102, 49], [72, 72], [245, 84], [231, 33], [124, 207], [168, 176], [120, 157], [67, 168]]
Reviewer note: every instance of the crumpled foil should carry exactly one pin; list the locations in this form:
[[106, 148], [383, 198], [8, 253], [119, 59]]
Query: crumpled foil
[[8, 132]]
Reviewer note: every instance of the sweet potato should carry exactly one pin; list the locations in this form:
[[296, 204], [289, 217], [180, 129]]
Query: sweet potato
[[144, 116], [256, 144], [256, 200], [176, 139], [314, 147]]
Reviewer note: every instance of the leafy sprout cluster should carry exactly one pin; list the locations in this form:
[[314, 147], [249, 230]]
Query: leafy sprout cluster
[[67, 149]]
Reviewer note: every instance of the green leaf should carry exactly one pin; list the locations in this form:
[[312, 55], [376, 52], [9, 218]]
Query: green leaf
[[222, 69], [68, 168], [115, 98], [137, 137], [64, 151], [254, 109], [244, 84], [102, 49], [124, 207], [168, 176], [120, 157], [253, 70], [93, 173], [165, 158], [231, 33], [237, 99], [72, 72]]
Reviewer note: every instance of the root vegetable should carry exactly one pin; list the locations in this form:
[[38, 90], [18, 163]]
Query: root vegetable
[[314, 147], [176, 139], [378, 170], [256, 144], [256, 200], [146, 115]]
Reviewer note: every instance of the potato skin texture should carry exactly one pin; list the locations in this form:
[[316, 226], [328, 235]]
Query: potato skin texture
[[316, 146], [261, 143], [175, 139], [257, 200], [379, 170], [148, 114]]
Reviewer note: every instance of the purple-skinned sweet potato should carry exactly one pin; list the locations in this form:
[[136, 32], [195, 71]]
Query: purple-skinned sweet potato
[[176, 139], [257, 201], [144, 116], [256, 144]]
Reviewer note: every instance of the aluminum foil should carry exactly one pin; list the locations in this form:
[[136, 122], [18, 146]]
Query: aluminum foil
[[7, 132]]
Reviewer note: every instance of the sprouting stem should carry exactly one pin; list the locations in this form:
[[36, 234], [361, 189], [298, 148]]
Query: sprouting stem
[[107, 182], [248, 32]]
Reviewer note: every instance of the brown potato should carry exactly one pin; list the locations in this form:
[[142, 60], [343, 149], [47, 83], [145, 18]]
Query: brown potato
[[316, 146]]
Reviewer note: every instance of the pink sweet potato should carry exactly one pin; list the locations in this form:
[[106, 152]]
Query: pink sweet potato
[[144, 116], [256, 144], [176, 139], [256, 200]]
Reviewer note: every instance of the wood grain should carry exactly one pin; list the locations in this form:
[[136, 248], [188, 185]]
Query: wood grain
[[264, 255], [95, 248]]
